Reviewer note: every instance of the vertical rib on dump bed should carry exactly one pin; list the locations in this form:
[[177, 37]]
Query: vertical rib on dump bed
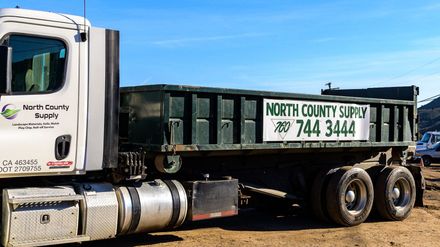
[[170, 118]]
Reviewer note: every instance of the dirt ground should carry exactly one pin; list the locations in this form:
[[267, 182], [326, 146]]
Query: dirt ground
[[251, 228]]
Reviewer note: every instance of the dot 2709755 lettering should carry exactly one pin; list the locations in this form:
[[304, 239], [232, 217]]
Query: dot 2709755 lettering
[[25, 165]]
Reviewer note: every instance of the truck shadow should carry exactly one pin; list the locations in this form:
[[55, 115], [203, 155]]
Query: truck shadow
[[249, 220], [262, 221], [132, 240], [433, 166], [432, 179]]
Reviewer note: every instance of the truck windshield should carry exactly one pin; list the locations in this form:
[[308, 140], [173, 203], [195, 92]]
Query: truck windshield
[[425, 138]]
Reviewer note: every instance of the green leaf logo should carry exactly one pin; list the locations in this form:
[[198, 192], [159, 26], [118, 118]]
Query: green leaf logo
[[9, 111]]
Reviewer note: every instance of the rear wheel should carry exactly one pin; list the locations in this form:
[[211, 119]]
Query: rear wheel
[[427, 160], [395, 193], [350, 196]]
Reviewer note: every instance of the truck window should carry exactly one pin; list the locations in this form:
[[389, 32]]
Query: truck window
[[38, 64], [425, 138]]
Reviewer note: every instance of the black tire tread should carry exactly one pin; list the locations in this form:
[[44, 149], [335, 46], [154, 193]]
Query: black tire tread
[[427, 160], [331, 188], [381, 202], [333, 205]]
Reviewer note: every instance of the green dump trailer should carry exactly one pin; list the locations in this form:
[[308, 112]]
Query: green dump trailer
[[296, 147]]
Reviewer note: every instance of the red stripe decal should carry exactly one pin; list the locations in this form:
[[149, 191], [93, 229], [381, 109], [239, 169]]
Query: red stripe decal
[[214, 215]]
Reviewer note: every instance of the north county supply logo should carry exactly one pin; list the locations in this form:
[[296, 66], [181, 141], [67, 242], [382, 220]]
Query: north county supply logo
[[9, 111]]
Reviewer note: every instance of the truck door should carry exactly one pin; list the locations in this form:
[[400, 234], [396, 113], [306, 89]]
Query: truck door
[[39, 117]]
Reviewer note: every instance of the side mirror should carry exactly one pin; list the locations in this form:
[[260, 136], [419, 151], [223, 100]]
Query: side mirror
[[5, 69]]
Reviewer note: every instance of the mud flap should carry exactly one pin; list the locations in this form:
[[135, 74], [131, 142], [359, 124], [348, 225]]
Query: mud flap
[[416, 171]]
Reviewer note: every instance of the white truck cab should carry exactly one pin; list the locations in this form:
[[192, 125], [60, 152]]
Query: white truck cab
[[428, 140], [54, 98], [428, 155]]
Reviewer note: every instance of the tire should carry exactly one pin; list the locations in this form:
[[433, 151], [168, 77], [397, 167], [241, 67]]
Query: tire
[[317, 194], [427, 160], [392, 204], [345, 207]]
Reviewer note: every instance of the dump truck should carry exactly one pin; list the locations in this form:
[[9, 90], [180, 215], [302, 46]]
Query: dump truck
[[83, 159]]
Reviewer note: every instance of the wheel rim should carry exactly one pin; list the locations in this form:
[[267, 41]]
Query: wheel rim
[[355, 197], [401, 193]]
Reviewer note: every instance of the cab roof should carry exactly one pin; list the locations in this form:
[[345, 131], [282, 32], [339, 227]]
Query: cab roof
[[42, 15]]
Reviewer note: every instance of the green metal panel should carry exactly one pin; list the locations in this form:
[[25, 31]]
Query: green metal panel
[[218, 119], [177, 106], [168, 118], [143, 111], [251, 109], [227, 130], [395, 124], [203, 108], [250, 132], [203, 131], [228, 108], [176, 131], [386, 133]]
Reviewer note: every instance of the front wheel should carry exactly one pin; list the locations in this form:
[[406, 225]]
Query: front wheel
[[426, 160], [395, 193], [350, 196]]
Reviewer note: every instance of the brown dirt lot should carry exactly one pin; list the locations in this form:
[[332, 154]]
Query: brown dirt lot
[[251, 228]]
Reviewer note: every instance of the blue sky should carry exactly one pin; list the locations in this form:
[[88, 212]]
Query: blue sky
[[280, 45]]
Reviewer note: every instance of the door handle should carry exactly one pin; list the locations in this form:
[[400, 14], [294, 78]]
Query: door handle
[[62, 146]]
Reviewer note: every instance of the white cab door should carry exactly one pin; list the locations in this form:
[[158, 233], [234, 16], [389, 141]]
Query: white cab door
[[39, 120]]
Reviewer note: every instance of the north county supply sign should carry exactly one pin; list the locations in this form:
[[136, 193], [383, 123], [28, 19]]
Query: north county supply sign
[[295, 120]]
